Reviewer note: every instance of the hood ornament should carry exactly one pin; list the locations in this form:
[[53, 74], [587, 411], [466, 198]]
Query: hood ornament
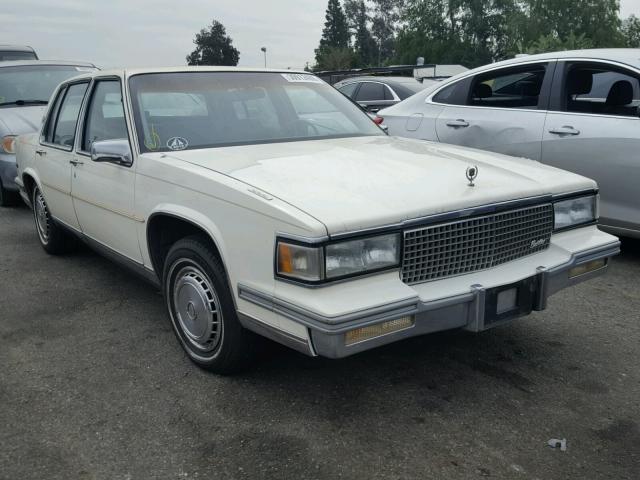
[[472, 174]]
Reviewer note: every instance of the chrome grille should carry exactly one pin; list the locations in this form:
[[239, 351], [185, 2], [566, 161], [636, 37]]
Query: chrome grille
[[465, 246]]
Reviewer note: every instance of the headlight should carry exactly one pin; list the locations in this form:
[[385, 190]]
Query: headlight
[[362, 255], [300, 262], [575, 211], [8, 144], [335, 260]]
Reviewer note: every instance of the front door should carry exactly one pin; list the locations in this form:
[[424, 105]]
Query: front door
[[103, 193], [504, 111], [55, 154], [596, 133]]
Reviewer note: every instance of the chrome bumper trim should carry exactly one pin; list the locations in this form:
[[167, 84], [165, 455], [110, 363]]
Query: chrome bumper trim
[[460, 311]]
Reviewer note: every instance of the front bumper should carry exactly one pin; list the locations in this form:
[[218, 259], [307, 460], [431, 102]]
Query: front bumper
[[8, 171], [467, 309]]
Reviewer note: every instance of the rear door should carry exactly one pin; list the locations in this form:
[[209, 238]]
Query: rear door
[[593, 129], [55, 155], [504, 110], [375, 96]]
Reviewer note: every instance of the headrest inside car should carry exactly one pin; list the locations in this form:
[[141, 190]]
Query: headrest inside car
[[482, 90], [621, 93], [580, 82]]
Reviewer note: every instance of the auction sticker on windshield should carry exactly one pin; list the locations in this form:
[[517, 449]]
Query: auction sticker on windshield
[[300, 77]]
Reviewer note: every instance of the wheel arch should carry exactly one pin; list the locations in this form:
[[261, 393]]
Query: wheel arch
[[167, 226], [30, 180]]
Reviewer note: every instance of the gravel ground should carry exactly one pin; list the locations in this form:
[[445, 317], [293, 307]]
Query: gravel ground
[[93, 385]]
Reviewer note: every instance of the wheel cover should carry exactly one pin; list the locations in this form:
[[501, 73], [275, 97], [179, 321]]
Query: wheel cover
[[41, 213], [197, 308]]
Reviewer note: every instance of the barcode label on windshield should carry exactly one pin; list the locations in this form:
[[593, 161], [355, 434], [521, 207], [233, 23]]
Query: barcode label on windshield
[[300, 77]]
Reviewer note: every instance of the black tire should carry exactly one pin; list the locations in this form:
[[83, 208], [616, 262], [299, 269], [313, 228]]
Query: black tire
[[53, 238], [201, 308], [7, 197]]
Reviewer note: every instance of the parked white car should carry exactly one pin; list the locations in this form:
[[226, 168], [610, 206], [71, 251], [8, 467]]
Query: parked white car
[[265, 201], [576, 110]]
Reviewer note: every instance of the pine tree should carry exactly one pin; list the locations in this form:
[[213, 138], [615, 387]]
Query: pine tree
[[335, 35], [365, 47]]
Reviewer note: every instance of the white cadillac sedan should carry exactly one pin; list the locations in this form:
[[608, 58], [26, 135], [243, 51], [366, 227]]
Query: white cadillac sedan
[[264, 203]]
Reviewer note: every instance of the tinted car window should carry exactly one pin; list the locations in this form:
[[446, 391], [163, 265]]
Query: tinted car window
[[349, 89], [455, 94], [105, 118], [601, 90], [8, 55], [387, 93], [64, 132], [370, 92], [509, 88]]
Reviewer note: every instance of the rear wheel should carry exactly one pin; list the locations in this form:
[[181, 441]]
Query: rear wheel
[[202, 310], [52, 237]]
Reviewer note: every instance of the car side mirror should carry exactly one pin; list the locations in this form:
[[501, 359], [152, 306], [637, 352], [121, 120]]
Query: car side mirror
[[112, 151]]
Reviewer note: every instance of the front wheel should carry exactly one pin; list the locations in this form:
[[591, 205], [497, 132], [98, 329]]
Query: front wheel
[[201, 308]]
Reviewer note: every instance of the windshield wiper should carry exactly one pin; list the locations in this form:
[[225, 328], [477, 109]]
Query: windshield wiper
[[25, 102]]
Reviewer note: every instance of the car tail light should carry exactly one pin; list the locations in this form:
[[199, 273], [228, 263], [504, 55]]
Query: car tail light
[[378, 120]]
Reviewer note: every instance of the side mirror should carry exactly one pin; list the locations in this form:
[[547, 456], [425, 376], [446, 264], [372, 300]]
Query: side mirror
[[112, 151]]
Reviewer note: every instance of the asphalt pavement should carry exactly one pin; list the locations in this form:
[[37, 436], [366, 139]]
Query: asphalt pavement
[[93, 385]]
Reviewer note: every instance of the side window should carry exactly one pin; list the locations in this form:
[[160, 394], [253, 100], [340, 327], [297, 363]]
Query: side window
[[454, 94], [105, 117], [51, 118], [602, 90], [509, 88], [370, 92], [64, 131], [387, 93], [348, 89]]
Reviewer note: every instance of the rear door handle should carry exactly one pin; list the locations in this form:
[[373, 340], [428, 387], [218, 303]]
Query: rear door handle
[[41, 152], [459, 123], [76, 162], [565, 130]]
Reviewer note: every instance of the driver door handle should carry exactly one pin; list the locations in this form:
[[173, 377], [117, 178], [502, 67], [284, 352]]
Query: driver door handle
[[76, 162], [41, 152], [565, 130], [459, 123]]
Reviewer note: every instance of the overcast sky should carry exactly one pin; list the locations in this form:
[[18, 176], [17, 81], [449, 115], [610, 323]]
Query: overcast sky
[[113, 33]]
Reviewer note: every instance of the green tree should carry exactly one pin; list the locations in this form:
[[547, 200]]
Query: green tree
[[364, 46], [631, 32], [213, 47], [385, 18], [553, 43], [335, 35], [597, 21]]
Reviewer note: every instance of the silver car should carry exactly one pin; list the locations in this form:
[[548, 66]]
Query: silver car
[[25, 88], [576, 110]]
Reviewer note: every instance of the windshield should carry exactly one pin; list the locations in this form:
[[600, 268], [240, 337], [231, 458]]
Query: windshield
[[33, 84], [178, 111]]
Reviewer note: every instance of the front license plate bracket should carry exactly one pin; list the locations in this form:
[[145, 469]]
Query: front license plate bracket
[[510, 301]]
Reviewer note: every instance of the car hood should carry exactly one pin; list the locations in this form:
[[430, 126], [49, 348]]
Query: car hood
[[21, 120], [357, 183]]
